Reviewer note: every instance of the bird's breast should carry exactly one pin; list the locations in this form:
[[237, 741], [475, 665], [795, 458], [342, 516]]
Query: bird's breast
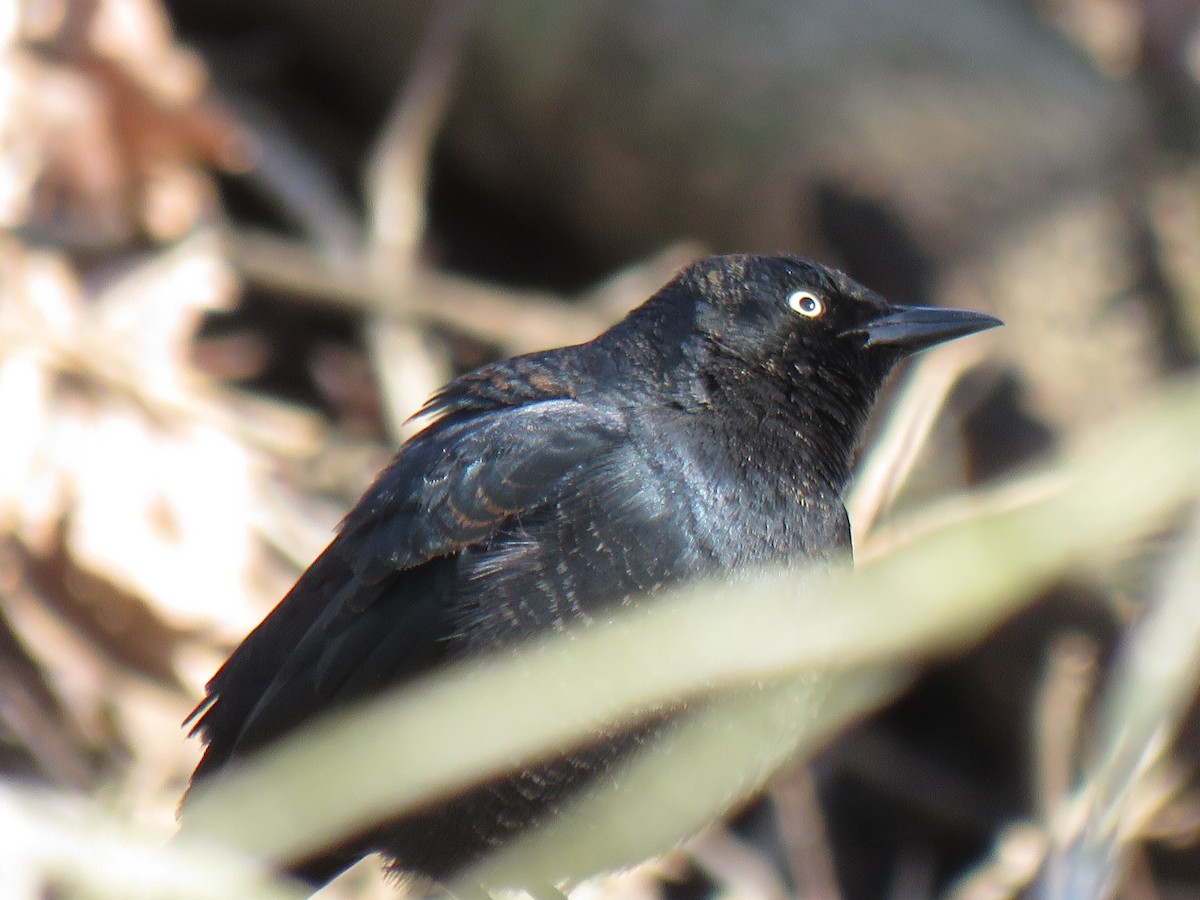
[[674, 504], [754, 492]]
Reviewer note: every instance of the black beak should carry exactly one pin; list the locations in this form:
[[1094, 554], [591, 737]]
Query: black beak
[[913, 328]]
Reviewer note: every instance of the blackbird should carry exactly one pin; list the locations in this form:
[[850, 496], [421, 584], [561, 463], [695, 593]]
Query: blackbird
[[712, 429]]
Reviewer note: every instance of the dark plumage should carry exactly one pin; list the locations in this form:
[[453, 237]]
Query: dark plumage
[[712, 429]]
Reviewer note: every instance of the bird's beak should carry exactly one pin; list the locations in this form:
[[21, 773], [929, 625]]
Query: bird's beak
[[913, 328]]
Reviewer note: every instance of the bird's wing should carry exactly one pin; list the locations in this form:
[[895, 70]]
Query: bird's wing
[[370, 611]]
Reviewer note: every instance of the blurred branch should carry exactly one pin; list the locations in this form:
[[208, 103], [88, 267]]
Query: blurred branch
[[1156, 674], [519, 321], [1152, 685], [1016, 855], [31, 711], [297, 182], [733, 862], [399, 166], [805, 838], [410, 364], [296, 267], [891, 457], [699, 767], [1066, 688], [55, 845]]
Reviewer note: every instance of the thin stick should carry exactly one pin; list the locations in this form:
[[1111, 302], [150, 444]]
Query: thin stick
[[296, 180], [399, 167], [735, 864], [410, 366], [887, 465], [802, 830], [1068, 682]]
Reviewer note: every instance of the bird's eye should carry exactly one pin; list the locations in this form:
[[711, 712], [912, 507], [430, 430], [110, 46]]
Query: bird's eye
[[806, 303]]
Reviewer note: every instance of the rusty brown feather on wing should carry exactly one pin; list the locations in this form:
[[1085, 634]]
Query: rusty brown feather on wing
[[511, 383]]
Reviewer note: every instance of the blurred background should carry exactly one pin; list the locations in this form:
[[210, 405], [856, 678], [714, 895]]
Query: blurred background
[[243, 242]]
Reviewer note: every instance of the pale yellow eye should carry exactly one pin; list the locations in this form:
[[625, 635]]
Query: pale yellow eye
[[806, 303]]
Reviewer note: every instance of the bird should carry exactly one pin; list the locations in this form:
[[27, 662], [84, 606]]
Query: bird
[[712, 430]]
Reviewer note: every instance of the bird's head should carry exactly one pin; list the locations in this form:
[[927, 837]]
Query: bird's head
[[775, 349], [800, 320]]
